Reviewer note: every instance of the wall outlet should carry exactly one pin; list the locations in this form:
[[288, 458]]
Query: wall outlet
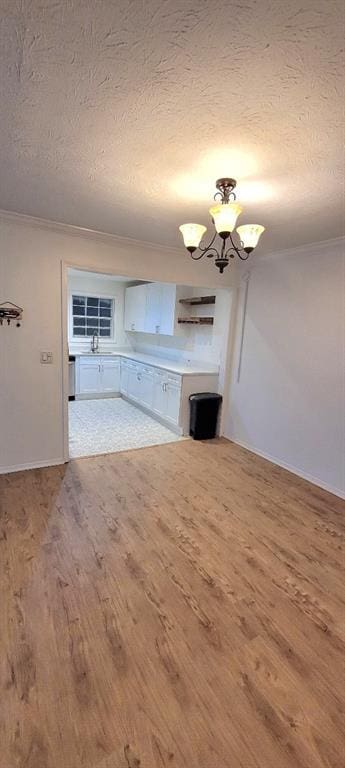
[[46, 358]]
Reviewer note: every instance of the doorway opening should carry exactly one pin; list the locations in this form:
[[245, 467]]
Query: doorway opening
[[137, 350]]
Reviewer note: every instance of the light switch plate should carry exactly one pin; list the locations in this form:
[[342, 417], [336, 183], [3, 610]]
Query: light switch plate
[[46, 358]]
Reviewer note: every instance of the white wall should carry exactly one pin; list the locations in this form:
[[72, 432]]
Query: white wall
[[31, 258], [30, 393], [102, 286], [289, 402]]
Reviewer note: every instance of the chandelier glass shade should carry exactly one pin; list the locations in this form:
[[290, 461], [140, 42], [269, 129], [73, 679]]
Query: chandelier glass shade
[[192, 234], [250, 234], [224, 216]]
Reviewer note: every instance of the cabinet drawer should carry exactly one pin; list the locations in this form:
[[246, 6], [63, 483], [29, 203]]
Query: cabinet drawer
[[90, 360], [99, 359], [174, 377], [159, 374]]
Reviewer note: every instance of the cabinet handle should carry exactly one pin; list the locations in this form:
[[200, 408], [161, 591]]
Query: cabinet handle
[[99, 369]]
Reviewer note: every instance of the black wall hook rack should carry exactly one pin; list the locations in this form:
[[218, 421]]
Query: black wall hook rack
[[10, 311]]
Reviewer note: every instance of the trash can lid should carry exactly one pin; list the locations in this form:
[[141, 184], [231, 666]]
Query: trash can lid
[[205, 396]]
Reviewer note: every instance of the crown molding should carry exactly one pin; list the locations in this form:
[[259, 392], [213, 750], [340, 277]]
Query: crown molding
[[316, 247], [72, 230], [89, 234]]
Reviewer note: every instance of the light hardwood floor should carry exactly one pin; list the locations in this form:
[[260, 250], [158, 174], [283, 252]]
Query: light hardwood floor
[[173, 607]]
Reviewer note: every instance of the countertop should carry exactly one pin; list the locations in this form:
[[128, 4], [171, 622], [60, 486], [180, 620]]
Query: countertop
[[164, 363]]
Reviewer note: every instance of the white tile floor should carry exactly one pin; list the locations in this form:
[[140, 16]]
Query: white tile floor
[[111, 425]]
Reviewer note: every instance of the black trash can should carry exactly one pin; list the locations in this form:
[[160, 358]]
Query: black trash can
[[204, 410]]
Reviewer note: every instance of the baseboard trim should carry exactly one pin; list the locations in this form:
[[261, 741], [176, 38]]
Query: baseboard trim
[[289, 467], [31, 465], [164, 422], [98, 396]]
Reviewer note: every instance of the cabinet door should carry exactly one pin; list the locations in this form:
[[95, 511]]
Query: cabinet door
[[145, 388], [159, 400], [168, 309], [89, 378], [140, 307], [110, 376], [135, 308], [173, 392], [133, 383], [129, 308], [160, 308], [124, 378], [153, 308]]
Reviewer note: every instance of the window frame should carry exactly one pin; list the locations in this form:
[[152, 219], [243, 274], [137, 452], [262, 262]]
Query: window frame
[[87, 339]]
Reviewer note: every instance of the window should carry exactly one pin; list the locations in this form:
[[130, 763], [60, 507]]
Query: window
[[91, 315]]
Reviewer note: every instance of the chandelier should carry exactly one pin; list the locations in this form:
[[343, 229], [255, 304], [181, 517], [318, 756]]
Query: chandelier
[[224, 216]]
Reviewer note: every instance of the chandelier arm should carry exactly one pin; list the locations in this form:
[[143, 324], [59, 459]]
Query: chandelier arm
[[234, 246], [230, 253], [245, 255], [196, 258], [211, 253], [207, 247]]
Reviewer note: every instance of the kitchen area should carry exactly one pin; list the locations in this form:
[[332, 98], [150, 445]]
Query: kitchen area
[[137, 351]]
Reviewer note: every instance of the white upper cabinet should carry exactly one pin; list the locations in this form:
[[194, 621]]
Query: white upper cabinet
[[135, 308], [168, 309], [151, 308]]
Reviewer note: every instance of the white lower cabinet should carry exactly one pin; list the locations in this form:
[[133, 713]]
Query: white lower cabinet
[[146, 387], [163, 393], [89, 378], [110, 375], [167, 396], [140, 384], [173, 400], [124, 377], [97, 375], [133, 383], [158, 391], [159, 395]]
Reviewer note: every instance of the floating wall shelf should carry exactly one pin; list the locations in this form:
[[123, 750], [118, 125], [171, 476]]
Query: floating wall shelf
[[199, 300], [196, 320]]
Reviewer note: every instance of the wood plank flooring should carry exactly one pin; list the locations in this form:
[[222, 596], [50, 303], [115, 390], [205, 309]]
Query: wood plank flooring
[[173, 607]]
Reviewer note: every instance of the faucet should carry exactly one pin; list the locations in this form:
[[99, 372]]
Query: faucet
[[94, 342]]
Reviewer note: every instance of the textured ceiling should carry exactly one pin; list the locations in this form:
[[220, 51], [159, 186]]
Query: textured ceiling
[[118, 115]]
